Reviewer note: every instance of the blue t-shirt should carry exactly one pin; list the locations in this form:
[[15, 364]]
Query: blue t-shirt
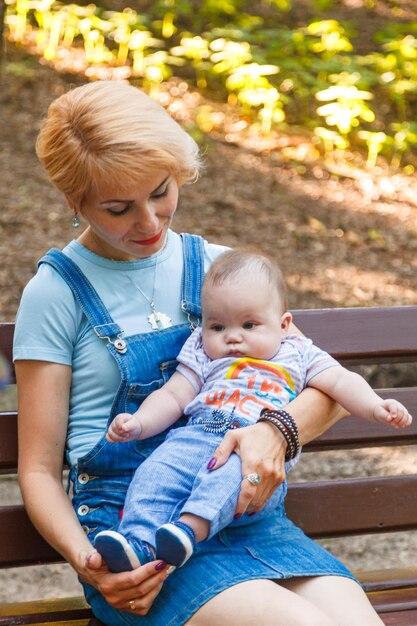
[[50, 326]]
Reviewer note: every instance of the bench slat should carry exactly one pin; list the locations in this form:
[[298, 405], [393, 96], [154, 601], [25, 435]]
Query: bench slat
[[381, 580], [23, 544], [395, 600], [368, 335], [375, 334], [62, 618], [73, 611], [400, 618], [349, 433], [8, 441], [6, 343], [349, 507], [322, 509]]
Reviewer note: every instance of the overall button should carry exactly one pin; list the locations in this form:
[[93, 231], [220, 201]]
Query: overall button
[[83, 509], [83, 478]]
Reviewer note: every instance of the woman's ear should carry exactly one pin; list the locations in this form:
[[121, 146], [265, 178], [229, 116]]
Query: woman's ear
[[286, 320], [71, 204]]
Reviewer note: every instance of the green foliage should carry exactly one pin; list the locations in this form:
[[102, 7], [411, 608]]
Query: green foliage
[[247, 54], [346, 103], [375, 142]]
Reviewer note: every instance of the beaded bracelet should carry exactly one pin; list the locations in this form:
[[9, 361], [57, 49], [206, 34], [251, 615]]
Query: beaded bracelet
[[288, 421], [287, 426], [285, 420]]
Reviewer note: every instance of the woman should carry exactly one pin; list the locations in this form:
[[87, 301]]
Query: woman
[[98, 329]]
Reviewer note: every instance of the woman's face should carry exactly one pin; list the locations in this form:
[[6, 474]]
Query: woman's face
[[129, 223]]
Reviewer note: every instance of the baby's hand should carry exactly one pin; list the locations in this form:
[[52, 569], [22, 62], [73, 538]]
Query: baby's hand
[[124, 427], [393, 413]]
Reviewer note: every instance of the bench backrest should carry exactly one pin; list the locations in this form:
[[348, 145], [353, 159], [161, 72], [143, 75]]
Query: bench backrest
[[323, 509]]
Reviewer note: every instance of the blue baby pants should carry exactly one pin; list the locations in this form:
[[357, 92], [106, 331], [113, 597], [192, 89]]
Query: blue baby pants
[[175, 480]]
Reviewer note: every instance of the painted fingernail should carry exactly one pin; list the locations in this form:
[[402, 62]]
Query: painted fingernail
[[252, 514], [211, 463], [237, 516], [160, 566]]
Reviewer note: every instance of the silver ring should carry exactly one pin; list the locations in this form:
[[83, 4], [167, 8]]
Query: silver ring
[[253, 478], [132, 605]]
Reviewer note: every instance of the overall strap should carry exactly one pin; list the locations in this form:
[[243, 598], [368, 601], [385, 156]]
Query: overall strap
[[193, 274], [87, 297]]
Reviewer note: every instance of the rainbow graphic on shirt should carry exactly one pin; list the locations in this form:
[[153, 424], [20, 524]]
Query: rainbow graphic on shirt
[[264, 381], [264, 366]]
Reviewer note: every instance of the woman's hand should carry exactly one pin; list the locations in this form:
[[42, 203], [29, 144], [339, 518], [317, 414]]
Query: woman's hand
[[133, 591], [261, 448]]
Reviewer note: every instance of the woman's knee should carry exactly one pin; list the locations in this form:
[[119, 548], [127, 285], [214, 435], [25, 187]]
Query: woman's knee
[[260, 602], [342, 599]]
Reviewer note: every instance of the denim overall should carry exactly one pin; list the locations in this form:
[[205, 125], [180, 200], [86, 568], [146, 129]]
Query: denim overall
[[100, 479]]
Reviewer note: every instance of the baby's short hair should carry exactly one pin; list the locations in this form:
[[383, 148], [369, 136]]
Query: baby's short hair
[[244, 260]]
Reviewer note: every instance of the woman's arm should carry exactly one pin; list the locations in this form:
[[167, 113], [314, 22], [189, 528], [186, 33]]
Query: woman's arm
[[314, 412], [43, 399], [43, 396]]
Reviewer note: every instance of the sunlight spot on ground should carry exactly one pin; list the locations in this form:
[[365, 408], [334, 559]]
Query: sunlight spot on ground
[[366, 287]]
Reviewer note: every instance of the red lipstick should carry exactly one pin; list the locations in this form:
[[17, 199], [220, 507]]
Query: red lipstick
[[148, 242]]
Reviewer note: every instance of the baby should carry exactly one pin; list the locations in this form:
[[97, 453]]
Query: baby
[[244, 359]]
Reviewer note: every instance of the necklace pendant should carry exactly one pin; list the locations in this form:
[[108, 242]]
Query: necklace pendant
[[159, 321]]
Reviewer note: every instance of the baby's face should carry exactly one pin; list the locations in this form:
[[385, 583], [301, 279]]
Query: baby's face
[[243, 317]]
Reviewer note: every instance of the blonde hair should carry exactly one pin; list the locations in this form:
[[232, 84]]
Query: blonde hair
[[243, 261], [108, 132]]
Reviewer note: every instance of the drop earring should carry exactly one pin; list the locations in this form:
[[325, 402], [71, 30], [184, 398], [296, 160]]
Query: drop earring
[[75, 221]]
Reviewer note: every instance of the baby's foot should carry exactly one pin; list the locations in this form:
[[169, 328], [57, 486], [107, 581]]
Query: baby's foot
[[175, 543], [118, 554]]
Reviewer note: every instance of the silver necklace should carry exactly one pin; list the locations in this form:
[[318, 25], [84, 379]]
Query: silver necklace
[[156, 319]]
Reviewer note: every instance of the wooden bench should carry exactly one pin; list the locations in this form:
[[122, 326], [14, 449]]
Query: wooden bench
[[334, 508]]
